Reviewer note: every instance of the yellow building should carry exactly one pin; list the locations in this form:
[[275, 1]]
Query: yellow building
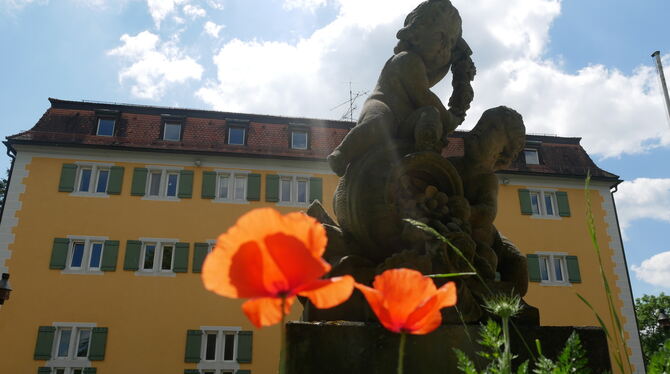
[[112, 208]]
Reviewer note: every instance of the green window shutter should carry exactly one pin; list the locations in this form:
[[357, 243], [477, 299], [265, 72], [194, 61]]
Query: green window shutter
[[181, 258], [315, 189], [563, 206], [115, 180], [573, 269], [45, 339], [59, 253], [191, 371], [199, 254], [254, 187], [193, 341], [524, 201], [138, 187], [98, 344], [109, 255], [208, 185], [533, 268], [272, 188], [132, 259], [44, 370], [243, 372], [90, 370], [185, 184], [67, 176], [244, 346]]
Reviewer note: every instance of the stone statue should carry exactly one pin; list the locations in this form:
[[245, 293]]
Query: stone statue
[[391, 169]]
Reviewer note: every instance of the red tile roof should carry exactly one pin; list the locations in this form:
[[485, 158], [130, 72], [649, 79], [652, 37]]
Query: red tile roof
[[139, 127]]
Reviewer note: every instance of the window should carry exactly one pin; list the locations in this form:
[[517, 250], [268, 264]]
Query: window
[[163, 183], [106, 126], [299, 139], [85, 254], [236, 135], [543, 203], [71, 348], [552, 268], [294, 190], [92, 179], [157, 257], [532, 157], [172, 131], [231, 186], [219, 349]]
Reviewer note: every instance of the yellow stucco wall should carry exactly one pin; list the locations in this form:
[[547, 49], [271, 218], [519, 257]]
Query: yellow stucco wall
[[148, 316]]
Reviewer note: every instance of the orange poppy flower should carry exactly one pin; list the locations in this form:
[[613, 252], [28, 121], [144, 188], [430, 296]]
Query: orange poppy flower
[[405, 301], [267, 257]]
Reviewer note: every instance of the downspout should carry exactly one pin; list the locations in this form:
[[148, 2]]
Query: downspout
[[625, 261], [11, 152]]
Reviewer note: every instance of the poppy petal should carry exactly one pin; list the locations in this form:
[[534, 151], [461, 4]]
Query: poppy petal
[[235, 273], [266, 311], [427, 317], [403, 291], [294, 261], [376, 301], [327, 293]]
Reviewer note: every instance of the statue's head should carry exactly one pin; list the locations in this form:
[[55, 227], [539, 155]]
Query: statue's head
[[497, 138], [431, 30]]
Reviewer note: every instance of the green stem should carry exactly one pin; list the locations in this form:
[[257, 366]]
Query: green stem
[[401, 352], [507, 358], [282, 339]]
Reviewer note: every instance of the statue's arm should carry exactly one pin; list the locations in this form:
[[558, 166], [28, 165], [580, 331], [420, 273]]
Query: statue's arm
[[484, 211]]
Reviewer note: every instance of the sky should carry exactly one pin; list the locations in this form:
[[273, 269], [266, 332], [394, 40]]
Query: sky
[[572, 68]]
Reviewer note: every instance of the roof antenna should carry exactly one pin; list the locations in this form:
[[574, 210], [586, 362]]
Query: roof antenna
[[659, 67], [349, 114]]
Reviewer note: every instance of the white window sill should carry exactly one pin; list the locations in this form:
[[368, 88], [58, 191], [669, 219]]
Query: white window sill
[[229, 201], [555, 284], [155, 273], [87, 272], [551, 218], [90, 194], [218, 365], [68, 363], [161, 198], [292, 204]]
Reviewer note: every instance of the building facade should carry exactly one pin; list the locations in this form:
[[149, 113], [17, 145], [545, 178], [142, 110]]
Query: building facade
[[112, 208]]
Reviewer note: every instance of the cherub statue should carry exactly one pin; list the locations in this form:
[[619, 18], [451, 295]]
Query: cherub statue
[[402, 106]]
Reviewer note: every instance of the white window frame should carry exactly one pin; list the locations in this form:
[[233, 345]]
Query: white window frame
[[172, 123], [542, 210], [550, 257], [85, 262], [244, 135], [71, 361], [95, 168], [232, 175], [158, 256], [97, 130], [219, 365], [535, 160], [163, 185], [294, 179], [302, 131]]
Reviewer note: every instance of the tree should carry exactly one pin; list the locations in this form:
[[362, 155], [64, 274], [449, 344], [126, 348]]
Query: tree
[[3, 189], [651, 335]]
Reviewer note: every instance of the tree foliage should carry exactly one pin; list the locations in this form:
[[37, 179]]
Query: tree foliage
[[651, 335]]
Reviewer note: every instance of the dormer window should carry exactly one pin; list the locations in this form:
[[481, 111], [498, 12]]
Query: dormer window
[[532, 157], [172, 131], [236, 132], [299, 138], [106, 126]]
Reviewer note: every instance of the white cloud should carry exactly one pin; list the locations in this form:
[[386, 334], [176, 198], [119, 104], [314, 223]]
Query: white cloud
[[643, 198], [614, 112], [654, 270], [194, 11], [159, 9], [11, 6], [215, 4], [153, 65], [309, 5], [213, 29]]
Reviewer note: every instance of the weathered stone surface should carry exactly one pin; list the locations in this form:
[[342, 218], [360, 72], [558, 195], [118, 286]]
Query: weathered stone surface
[[353, 348]]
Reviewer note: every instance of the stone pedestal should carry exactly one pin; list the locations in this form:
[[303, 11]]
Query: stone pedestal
[[360, 348]]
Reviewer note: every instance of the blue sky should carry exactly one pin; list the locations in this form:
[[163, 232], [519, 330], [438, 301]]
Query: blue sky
[[572, 68]]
